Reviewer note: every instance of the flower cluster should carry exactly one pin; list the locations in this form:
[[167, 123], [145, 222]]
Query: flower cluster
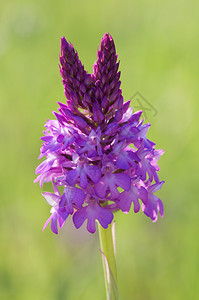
[[97, 155]]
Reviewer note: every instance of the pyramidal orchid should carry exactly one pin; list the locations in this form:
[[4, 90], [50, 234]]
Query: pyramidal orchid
[[97, 155]]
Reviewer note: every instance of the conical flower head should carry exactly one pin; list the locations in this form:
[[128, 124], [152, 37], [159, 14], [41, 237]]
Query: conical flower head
[[106, 74], [96, 151], [76, 81]]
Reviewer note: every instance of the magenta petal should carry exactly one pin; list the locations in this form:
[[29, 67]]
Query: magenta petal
[[132, 156], [100, 188], [153, 205], [122, 162], [71, 195], [155, 187], [93, 172], [72, 176], [47, 138], [44, 166], [61, 221], [74, 195], [83, 179], [52, 199], [91, 224], [143, 194], [78, 196], [126, 198], [105, 217], [160, 207], [54, 223], [136, 205], [148, 210], [125, 201], [79, 217], [66, 203], [123, 180], [62, 216], [113, 189], [47, 222]]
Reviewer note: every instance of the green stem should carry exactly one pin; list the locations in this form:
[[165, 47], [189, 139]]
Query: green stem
[[109, 262]]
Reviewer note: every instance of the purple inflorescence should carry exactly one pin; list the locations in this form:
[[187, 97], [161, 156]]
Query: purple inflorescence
[[97, 154]]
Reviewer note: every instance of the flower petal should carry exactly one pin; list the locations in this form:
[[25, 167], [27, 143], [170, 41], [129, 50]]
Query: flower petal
[[155, 187], [100, 188], [93, 172], [92, 212], [104, 216], [125, 201], [72, 176], [52, 199], [123, 180], [160, 207], [83, 179], [54, 223], [122, 161], [79, 217]]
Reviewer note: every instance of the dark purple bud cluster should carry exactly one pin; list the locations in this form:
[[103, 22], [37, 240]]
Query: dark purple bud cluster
[[107, 76], [77, 83]]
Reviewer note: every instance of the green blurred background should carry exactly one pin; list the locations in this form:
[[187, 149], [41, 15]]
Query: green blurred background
[[158, 45]]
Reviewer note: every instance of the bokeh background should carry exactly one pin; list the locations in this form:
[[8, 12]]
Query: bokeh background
[[158, 44]]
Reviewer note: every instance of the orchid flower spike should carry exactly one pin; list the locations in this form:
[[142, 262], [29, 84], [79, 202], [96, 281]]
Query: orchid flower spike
[[96, 151]]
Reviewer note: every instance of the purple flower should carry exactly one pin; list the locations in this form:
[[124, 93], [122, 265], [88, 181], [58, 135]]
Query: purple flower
[[58, 213], [152, 203], [133, 195], [72, 197], [82, 171], [92, 212], [109, 182], [96, 153]]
